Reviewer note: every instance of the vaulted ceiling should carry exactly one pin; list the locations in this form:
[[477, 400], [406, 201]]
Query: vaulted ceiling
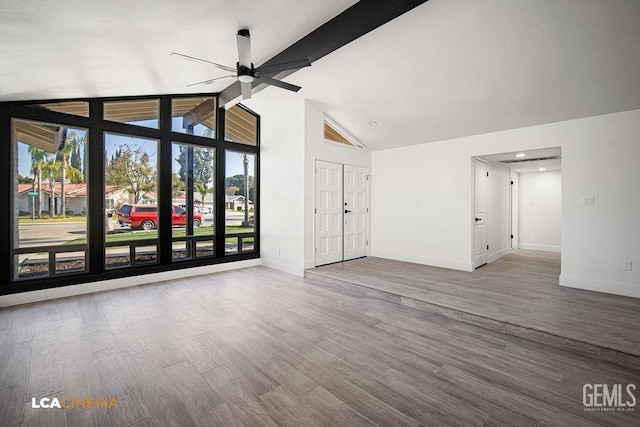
[[452, 68], [90, 48], [445, 69]]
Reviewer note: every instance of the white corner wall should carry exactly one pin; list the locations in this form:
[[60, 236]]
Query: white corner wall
[[600, 156], [540, 210], [281, 180], [316, 149]]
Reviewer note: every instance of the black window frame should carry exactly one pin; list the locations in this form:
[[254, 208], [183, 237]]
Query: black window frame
[[97, 127]]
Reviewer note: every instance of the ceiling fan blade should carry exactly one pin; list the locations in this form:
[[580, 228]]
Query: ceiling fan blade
[[193, 58], [246, 90], [204, 82], [283, 66], [244, 48], [278, 83]]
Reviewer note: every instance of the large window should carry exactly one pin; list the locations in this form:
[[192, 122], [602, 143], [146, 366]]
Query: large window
[[131, 195], [192, 192], [50, 199], [166, 182], [240, 202]]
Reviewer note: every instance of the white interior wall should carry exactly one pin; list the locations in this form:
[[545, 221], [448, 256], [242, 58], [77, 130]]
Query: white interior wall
[[599, 160], [316, 149], [281, 181], [498, 211], [540, 210]]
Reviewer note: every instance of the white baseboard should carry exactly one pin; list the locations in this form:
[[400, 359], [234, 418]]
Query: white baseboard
[[534, 247], [435, 262], [625, 289], [123, 282], [280, 266], [499, 254]]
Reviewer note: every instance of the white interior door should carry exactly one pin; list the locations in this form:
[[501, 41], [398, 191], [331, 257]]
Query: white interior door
[[481, 202], [329, 213], [355, 212]]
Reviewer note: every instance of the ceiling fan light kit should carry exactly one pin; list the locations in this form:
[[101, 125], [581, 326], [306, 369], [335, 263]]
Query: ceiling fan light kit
[[245, 72], [246, 78]]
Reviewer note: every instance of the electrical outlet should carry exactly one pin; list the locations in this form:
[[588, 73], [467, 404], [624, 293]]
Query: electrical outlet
[[588, 201], [627, 265]]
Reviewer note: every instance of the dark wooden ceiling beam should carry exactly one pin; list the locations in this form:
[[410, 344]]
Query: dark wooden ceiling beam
[[356, 21]]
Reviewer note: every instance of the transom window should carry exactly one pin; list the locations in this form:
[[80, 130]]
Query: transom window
[[333, 133]]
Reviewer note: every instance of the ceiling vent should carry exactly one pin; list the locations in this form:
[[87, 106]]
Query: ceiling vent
[[536, 159]]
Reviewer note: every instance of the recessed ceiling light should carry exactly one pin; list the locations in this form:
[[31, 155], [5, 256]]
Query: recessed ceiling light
[[542, 169], [520, 155], [373, 123]]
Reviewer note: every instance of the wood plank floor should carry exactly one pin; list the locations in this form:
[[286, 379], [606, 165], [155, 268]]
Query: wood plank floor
[[258, 347], [520, 289]]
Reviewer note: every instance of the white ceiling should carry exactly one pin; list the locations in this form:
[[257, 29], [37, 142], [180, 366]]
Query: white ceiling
[[452, 68], [88, 48], [446, 69]]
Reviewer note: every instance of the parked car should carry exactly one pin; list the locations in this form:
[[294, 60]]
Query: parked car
[[145, 217], [195, 208]]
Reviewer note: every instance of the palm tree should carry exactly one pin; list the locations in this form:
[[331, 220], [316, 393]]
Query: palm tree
[[71, 145], [203, 189], [38, 157], [51, 169]]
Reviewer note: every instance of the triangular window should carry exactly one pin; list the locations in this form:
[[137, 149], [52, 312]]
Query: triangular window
[[332, 132]]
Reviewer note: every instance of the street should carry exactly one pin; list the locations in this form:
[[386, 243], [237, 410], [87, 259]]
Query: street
[[57, 233]]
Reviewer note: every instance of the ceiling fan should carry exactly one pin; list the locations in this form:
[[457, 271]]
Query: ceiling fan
[[246, 73]]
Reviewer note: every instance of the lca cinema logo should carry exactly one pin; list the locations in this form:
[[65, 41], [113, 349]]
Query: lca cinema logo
[[609, 397], [74, 402]]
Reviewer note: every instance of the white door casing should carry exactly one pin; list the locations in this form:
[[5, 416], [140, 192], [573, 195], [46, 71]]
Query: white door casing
[[329, 213], [480, 213], [355, 212]]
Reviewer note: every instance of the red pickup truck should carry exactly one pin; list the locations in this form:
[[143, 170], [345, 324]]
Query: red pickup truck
[[145, 217]]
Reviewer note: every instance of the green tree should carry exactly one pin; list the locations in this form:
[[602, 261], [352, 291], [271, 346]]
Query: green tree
[[177, 185], [203, 159], [51, 170], [76, 158], [237, 181], [25, 180], [71, 145], [38, 158], [133, 171]]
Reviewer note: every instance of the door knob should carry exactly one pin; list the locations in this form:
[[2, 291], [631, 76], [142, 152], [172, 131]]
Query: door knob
[[346, 211], [478, 219]]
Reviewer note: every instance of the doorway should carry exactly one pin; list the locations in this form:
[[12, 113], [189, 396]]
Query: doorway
[[341, 212], [519, 201]]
